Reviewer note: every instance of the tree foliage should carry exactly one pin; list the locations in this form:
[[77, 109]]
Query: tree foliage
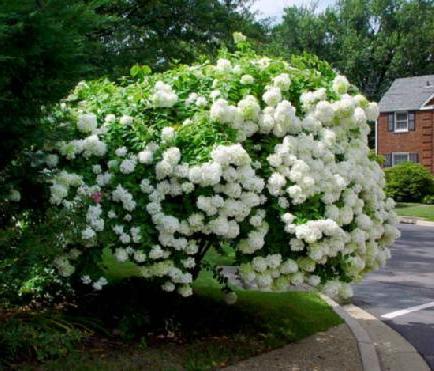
[[373, 42], [160, 33], [44, 50]]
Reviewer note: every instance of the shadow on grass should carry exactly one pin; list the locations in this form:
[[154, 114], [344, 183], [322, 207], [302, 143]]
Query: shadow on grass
[[153, 330]]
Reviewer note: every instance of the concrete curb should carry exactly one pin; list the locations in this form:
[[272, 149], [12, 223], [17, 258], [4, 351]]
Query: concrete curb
[[413, 220], [366, 346], [395, 352], [381, 348]]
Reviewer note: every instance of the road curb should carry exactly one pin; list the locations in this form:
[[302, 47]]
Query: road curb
[[412, 220], [368, 354], [394, 351], [381, 348]]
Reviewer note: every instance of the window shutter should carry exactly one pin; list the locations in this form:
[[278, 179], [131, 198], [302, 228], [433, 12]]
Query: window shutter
[[388, 160], [391, 122], [414, 157], [411, 121]]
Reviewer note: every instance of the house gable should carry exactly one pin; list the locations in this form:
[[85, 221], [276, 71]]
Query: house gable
[[429, 104], [408, 94]]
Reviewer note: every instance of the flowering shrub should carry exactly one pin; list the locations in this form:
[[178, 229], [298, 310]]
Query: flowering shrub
[[263, 155]]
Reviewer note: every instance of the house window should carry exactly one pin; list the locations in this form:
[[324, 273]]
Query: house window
[[398, 157], [401, 122], [394, 158]]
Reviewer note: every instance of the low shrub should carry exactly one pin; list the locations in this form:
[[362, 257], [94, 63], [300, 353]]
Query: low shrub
[[29, 336], [408, 181]]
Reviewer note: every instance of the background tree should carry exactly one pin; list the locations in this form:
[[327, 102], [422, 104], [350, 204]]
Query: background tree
[[46, 47], [373, 42], [161, 32]]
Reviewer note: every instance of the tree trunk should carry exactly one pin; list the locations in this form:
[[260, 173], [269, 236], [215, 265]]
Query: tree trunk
[[204, 245]]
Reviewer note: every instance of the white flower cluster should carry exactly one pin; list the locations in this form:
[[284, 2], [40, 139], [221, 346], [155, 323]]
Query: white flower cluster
[[307, 173], [90, 146], [87, 123], [163, 96]]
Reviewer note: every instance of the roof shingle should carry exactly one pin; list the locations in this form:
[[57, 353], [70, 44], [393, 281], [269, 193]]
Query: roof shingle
[[408, 94]]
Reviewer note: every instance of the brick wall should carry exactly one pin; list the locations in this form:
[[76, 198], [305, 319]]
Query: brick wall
[[420, 141]]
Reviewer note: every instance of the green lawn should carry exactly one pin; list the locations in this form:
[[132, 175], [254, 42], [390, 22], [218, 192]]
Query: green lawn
[[416, 210], [203, 332]]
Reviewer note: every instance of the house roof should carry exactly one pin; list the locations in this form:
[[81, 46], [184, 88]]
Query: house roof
[[408, 93]]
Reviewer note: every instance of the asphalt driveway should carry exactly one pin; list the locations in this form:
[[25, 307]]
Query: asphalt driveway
[[402, 293]]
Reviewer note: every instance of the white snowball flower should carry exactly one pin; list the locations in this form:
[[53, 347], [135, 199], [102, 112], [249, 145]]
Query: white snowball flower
[[125, 238], [314, 280], [185, 290], [201, 101], [139, 256], [168, 134], [191, 98], [282, 81], [289, 266], [110, 118], [92, 146], [247, 80], [126, 120], [96, 169], [88, 233], [222, 112], [168, 286], [156, 252], [121, 151], [372, 111], [340, 84], [324, 111], [163, 96], [249, 107], [145, 157], [52, 160], [58, 193], [223, 66], [87, 123], [272, 96], [121, 255], [172, 155], [127, 166]]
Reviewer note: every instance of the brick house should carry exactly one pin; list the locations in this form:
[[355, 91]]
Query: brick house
[[404, 130]]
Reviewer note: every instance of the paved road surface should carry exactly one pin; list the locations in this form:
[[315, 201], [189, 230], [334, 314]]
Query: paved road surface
[[403, 291]]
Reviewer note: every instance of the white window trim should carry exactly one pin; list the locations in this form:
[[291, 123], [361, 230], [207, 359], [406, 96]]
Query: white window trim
[[400, 153], [400, 130]]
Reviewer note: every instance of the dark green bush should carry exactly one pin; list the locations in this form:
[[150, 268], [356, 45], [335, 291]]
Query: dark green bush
[[409, 182], [44, 51]]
